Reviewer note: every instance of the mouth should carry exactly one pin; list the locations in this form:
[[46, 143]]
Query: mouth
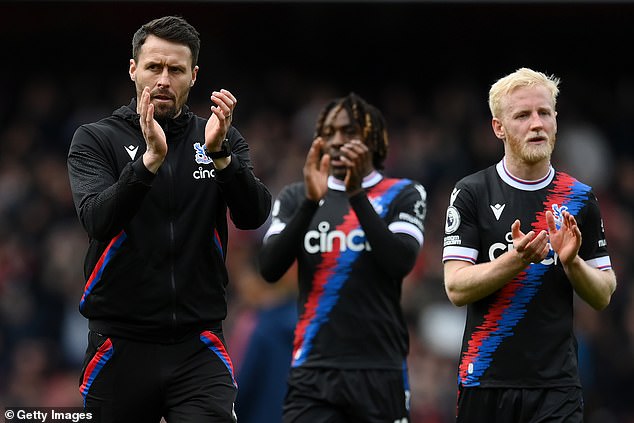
[[537, 140], [335, 161], [162, 98]]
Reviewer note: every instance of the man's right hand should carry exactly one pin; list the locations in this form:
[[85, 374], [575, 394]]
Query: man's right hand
[[155, 140], [530, 247], [316, 171]]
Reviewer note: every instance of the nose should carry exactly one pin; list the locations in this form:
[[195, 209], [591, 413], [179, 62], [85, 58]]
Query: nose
[[536, 121], [163, 80], [338, 138]]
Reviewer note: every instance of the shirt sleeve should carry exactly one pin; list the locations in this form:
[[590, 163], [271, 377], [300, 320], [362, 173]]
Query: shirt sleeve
[[248, 199], [396, 241], [462, 235], [284, 236], [594, 247], [104, 201]]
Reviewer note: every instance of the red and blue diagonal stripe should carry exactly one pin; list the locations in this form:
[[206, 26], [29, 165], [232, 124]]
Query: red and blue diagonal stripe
[[104, 353], [105, 258], [217, 347], [567, 193], [218, 242], [333, 272], [510, 304]]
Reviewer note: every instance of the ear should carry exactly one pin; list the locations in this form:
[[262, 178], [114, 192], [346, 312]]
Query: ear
[[132, 70], [194, 75], [498, 128]]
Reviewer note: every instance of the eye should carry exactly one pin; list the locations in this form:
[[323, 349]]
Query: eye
[[326, 132], [350, 131]]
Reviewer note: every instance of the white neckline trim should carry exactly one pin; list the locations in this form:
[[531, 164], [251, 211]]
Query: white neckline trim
[[369, 181], [524, 184]]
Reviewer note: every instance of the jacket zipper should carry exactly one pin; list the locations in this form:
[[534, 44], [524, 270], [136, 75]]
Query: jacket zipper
[[171, 206]]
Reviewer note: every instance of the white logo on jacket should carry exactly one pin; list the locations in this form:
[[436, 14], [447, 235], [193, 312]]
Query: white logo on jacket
[[131, 150], [201, 158]]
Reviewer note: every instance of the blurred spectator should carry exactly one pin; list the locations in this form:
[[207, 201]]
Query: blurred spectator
[[264, 360]]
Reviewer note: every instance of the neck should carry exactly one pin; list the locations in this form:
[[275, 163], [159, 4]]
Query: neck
[[527, 171]]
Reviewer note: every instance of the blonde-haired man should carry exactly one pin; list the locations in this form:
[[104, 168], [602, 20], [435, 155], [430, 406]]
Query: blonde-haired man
[[513, 253]]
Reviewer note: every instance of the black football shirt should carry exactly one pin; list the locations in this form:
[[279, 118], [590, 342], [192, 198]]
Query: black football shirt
[[349, 308], [521, 335]]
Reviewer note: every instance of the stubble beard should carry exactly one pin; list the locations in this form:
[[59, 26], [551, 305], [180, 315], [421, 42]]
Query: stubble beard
[[164, 111]]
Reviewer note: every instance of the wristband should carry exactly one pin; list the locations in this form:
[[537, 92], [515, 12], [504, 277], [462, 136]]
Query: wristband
[[224, 152]]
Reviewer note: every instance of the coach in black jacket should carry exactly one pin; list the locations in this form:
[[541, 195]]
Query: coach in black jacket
[[152, 184]]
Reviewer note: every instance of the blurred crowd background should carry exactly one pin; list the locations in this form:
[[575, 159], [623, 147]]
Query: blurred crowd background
[[426, 65]]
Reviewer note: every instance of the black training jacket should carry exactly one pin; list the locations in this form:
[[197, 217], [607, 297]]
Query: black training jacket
[[155, 268]]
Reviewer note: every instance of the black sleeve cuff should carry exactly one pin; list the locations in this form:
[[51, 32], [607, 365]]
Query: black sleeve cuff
[[142, 173]]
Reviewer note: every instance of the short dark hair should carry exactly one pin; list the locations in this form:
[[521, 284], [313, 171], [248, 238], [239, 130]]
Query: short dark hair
[[368, 118], [171, 28]]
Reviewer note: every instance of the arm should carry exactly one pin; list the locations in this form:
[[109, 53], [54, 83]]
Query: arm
[[395, 253], [279, 250], [466, 283], [594, 286], [105, 201], [248, 199]]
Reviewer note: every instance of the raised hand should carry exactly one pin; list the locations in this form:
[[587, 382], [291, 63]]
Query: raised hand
[[220, 119], [358, 160], [566, 240], [155, 141], [530, 248], [316, 170]]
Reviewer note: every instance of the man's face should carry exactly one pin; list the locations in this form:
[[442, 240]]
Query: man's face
[[338, 129], [528, 123], [166, 68]]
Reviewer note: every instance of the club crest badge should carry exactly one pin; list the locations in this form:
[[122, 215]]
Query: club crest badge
[[199, 154]]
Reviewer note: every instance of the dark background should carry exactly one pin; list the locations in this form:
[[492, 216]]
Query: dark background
[[364, 46]]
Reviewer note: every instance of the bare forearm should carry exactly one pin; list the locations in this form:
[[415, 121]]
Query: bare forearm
[[594, 286], [466, 283]]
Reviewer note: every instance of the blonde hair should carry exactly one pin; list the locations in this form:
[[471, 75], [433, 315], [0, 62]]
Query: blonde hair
[[523, 77]]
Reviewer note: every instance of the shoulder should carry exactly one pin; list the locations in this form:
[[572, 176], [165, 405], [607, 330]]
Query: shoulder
[[102, 130], [292, 192], [294, 187], [479, 178], [564, 179], [400, 185], [410, 188], [473, 187]]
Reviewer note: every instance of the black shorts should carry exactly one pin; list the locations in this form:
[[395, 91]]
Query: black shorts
[[344, 396], [187, 382], [502, 405]]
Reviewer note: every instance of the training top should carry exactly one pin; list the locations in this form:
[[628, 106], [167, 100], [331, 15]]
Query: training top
[[521, 336], [352, 255], [155, 267]]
